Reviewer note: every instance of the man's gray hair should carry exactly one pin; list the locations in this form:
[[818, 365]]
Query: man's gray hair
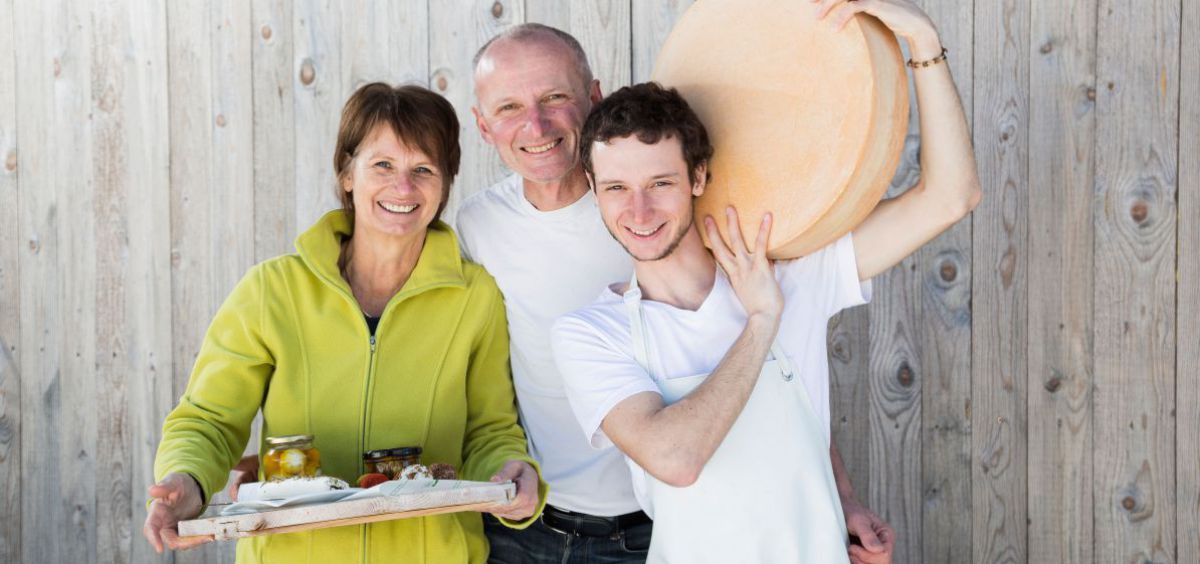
[[528, 31]]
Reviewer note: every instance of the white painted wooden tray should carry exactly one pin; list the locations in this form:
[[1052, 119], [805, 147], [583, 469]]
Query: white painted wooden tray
[[447, 496]]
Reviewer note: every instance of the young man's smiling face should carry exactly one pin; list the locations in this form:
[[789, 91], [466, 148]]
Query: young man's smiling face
[[531, 100], [644, 194]]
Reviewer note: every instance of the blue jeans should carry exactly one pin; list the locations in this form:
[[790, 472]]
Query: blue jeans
[[542, 545]]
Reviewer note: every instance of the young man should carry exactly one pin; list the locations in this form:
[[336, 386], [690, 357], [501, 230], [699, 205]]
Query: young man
[[714, 383]]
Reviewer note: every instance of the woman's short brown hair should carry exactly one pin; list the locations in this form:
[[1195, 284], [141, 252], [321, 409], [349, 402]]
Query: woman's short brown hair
[[419, 117]]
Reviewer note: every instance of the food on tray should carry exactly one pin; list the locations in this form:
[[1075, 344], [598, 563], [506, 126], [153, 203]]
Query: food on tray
[[391, 461], [291, 456], [415, 472], [443, 471], [371, 480], [291, 487]]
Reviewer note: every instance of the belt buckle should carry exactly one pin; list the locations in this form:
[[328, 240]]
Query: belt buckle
[[542, 518]]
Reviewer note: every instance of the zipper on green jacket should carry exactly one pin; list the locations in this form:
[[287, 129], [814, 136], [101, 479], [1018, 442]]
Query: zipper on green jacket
[[362, 434]]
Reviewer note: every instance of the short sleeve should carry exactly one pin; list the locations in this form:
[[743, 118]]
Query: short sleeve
[[849, 291], [596, 374], [828, 276]]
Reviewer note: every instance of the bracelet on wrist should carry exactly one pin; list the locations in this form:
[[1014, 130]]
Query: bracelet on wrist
[[922, 64]]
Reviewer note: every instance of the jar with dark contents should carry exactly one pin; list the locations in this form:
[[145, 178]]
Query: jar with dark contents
[[390, 461], [291, 456]]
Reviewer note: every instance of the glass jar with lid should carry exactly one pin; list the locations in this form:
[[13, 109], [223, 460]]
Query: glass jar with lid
[[390, 461], [291, 456]]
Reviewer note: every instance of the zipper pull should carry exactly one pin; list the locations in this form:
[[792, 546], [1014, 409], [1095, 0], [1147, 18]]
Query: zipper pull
[[372, 344]]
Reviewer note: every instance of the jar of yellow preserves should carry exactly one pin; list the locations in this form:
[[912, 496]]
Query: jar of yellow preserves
[[291, 456]]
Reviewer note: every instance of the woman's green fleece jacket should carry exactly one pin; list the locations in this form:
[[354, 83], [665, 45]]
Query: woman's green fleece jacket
[[291, 340]]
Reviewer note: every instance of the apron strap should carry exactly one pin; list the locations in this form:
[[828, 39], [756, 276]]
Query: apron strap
[[785, 365], [637, 326]]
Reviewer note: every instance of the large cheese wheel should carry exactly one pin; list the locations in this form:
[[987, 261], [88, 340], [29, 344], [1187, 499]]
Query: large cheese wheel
[[806, 122]]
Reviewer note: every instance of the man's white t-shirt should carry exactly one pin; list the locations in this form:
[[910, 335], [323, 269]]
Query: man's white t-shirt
[[593, 346], [548, 264]]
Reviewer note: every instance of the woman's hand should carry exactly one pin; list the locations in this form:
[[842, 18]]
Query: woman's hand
[[750, 272], [176, 498], [904, 18], [526, 479]]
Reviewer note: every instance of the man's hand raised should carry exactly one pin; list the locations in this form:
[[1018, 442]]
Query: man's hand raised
[[751, 274]]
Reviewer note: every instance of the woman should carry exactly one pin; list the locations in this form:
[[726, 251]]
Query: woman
[[375, 334]]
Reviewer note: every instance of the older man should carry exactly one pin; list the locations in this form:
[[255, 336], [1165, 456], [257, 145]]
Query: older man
[[539, 233]]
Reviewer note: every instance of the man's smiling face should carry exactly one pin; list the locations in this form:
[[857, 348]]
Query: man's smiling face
[[531, 102], [644, 194]]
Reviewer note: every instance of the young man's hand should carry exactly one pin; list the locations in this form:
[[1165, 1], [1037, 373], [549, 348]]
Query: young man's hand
[[750, 273], [877, 537]]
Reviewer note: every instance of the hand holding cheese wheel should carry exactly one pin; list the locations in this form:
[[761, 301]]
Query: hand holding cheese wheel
[[807, 121]]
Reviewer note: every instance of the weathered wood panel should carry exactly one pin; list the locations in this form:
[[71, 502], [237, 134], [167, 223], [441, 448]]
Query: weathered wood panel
[[1136, 119], [317, 103], [896, 374], [457, 31], [848, 338], [274, 129], [652, 21], [1187, 401], [392, 45], [211, 156], [10, 300], [58, 286], [945, 271], [132, 238], [1061, 141], [603, 28], [999, 257], [895, 368]]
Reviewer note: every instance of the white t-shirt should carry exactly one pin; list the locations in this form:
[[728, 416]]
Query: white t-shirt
[[547, 264], [594, 349]]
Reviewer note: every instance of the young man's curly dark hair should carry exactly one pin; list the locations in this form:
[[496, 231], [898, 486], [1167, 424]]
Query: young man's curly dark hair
[[652, 113]]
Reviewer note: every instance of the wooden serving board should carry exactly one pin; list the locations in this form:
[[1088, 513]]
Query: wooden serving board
[[469, 496]]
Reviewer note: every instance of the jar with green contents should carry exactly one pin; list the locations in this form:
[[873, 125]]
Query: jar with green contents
[[390, 461], [291, 456]]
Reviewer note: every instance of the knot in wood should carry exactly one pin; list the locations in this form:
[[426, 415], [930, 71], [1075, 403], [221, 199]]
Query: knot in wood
[[307, 72], [1129, 503], [442, 83], [1047, 47], [1139, 211], [10, 162], [266, 32], [220, 120], [1091, 94], [1053, 384], [948, 270], [497, 10], [904, 375]]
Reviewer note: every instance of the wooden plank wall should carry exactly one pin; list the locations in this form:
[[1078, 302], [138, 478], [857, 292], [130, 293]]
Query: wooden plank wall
[[1023, 389]]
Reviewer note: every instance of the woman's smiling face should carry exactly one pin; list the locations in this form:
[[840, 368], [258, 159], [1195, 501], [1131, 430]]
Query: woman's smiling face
[[397, 188]]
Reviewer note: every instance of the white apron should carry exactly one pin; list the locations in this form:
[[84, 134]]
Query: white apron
[[766, 495]]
